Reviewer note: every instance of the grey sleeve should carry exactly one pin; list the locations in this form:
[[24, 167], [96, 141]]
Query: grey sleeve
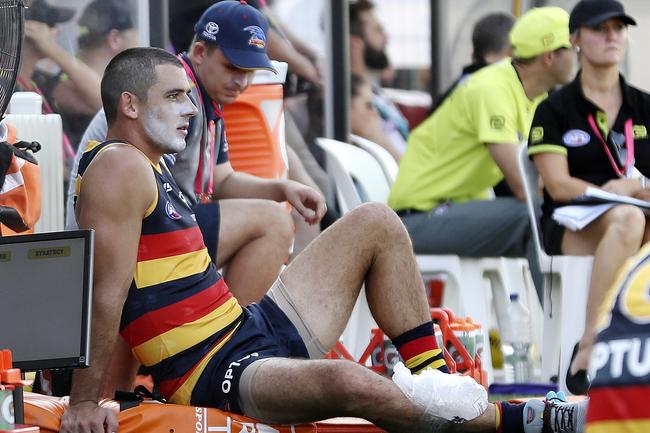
[[96, 131]]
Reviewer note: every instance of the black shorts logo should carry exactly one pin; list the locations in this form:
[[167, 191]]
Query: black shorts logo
[[233, 368], [497, 122]]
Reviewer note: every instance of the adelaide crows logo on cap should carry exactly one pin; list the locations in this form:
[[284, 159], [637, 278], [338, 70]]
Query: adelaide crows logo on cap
[[257, 39], [171, 212]]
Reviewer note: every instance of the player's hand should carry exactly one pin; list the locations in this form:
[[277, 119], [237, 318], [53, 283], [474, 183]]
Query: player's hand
[[88, 417], [644, 194], [629, 187], [41, 35], [309, 203], [312, 74]]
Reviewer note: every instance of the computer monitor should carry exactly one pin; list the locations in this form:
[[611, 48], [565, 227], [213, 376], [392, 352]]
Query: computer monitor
[[46, 298]]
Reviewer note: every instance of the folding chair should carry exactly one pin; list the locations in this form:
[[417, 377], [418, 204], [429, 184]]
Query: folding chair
[[501, 272], [386, 161], [566, 287]]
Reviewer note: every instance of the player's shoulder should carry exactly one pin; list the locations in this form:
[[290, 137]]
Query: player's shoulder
[[122, 166]]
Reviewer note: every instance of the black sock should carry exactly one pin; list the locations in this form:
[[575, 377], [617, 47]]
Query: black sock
[[512, 415]]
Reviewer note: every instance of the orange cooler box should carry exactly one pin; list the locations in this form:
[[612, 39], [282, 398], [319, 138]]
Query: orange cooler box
[[255, 126]]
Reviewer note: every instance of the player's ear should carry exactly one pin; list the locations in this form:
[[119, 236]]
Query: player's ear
[[129, 104], [198, 52]]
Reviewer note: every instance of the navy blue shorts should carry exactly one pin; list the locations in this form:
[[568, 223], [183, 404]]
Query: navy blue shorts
[[208, 217], [265, 332]]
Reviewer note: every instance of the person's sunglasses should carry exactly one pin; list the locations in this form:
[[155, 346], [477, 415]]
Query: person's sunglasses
[[616, 141]]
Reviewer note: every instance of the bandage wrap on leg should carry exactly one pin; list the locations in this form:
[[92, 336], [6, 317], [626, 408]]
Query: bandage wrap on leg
[[452, 397]]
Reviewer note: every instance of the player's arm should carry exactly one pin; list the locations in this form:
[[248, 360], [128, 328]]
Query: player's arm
[[505, 155], [116, 190], [122, 371], [298, 172], [554, 170], [86, 81], [234, 184], [70, 100], [281, 49]]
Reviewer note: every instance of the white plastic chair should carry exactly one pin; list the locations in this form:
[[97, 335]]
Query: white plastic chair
[[566, 287], [465, 292], [386, 161], [501, 272]]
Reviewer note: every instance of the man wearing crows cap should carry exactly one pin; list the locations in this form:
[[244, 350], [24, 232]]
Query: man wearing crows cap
[[242, 227], [230, 45]]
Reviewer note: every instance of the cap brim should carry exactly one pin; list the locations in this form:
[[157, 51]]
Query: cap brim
[[608, 15], [246, 59], [60, 14]]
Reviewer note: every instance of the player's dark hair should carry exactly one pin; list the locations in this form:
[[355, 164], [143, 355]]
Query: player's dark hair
[[133, 71]]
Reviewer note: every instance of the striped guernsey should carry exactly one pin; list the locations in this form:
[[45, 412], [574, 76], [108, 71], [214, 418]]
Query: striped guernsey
[[179, 312]]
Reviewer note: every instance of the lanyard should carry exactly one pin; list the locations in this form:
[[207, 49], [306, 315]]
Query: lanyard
[[203, 195], [68, 150], [629, 147]]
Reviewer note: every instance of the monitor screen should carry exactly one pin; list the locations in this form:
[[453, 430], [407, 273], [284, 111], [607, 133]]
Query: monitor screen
[[45, 298]]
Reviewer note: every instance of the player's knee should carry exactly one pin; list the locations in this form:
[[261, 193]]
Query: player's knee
[[628, 222], [380, 221], [277, 221]]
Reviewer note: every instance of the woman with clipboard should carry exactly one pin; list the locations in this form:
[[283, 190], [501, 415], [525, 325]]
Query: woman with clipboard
[[594, 133]]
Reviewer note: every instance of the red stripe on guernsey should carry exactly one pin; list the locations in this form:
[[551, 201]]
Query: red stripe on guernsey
[[169, 387], [617, 403], [417, 346], [169, 244], [172, 316]]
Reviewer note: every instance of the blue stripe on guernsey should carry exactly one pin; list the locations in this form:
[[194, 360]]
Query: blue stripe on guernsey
[[163, 295], [180, 318], [205, 309], [177, 365]]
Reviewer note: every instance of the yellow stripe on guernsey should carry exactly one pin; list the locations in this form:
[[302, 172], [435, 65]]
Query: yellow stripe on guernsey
[[547, 148], [187, 335], [152, 206], [91, 145], [183, 394], [159, 271], [422, 357], [619, 426], [606, 307]]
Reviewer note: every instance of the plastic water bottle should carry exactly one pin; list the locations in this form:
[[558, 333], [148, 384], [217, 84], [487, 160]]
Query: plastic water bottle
[[516, 339]]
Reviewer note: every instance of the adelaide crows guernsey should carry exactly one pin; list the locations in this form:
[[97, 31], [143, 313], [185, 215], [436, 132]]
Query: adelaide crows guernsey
[[179, 312], [620, 362]]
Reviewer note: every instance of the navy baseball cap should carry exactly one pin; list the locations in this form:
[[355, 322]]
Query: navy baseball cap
[[590, 13], [239, 30]]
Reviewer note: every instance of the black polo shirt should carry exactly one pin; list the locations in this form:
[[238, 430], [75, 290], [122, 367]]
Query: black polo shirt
[[560, 126]]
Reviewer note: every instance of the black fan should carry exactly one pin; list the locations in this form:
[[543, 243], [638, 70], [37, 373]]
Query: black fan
[[11, 41]]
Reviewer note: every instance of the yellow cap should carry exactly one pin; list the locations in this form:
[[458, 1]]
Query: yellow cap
[[540, 30]]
